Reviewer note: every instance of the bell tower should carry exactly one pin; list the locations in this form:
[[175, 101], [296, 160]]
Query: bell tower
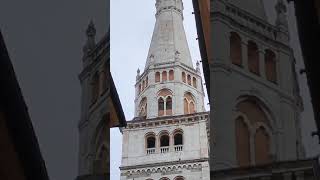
[[168, 137]]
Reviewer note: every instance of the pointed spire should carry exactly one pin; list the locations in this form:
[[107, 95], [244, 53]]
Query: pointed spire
[[198, 67], [281, 9], [91, 34], [138, 74]]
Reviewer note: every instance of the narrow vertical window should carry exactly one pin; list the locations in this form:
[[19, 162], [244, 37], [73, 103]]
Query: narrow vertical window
[[194, 82], [171, 75], [184, 77], [185, 106], [189, 79], [164, 76], [160, 106], [262, 146], [235, 49], [242, 142], [169, 106], [270, 65], [253, 58], [157, 77]]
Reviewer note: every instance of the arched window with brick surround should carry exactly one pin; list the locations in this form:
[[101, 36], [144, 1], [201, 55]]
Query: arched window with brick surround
[[235, 49], [242, 142], [164, 142], [164, 76], [165, 102], [183, 74], [194, 82], [179, 178], [253, 57], [169, 105], [189, 79], [189, 103], [157, 77], [143, 107], [171, 75], [262, 146], [160, 106], [178, 140], [150, 140], [270, 65]]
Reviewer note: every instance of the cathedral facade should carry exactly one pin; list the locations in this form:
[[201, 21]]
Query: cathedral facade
[[168, 138]]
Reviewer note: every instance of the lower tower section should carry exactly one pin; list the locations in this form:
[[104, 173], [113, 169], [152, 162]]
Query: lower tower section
[[172, 147]]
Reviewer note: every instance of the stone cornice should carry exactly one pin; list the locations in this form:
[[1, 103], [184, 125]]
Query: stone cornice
[[166, 120], [164, 164]]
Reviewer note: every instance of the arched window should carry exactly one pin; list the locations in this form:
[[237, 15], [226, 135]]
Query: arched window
[[179, 178], [189, 103], [165, 101], [164, 178], [169, 106], [171, 75], [164, 76], [143, 85], [253, 57], [235, 49], [270, 62], [178, 139], [194, 82], [157, 77], [95, 87], [164, 140], [147, 81], [143, 107], [262, 146], [184, 77], [151, 142], [160, 106], [191, 107], [189, 79], [139, 88], [242, 142], [185, 106], [255, 116]]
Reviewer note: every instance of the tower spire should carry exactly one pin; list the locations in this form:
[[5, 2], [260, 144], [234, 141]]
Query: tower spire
[[91, 35], [169, 42]]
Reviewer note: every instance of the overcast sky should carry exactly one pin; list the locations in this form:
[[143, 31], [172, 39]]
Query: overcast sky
[[45, 38]]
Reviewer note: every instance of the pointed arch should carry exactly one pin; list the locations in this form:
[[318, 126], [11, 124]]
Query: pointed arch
[[262, 146], [235, 49], [189, 79], [242, 142], [160, 106], [189, 103]]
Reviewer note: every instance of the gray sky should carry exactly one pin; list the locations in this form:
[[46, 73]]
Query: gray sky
[[44, 39], [131, 32]]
